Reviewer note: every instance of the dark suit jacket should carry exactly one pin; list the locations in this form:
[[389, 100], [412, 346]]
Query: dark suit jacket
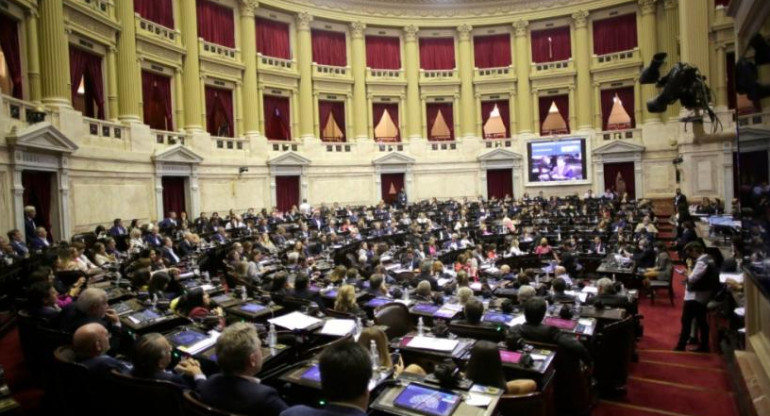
[[29, 228], [330, 410], [153, 240], [104, 364], [185, 248], [240, 395], [550, 335], [613, 301], [19, 248], [38, 243], [178, 379], [116, 231], [168, 257], [71, 319]]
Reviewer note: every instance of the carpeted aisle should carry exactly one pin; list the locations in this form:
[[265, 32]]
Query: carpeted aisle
[[665, 382]]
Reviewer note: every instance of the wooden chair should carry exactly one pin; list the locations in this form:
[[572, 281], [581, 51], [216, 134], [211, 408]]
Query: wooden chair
[[193, 406], [662, 284], [395, 316]]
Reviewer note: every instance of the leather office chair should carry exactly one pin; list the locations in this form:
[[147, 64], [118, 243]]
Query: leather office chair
[[489, 333], [73, 389], [193, 406], [614, 348], [133, 396], [532, 404], [396, 317]]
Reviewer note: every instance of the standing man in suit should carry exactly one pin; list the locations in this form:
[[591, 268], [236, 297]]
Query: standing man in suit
[[235, 389], [702, 283], [401, 198], [679, 198], [346, 369], [29, 222], [169, 222], [598, 247]]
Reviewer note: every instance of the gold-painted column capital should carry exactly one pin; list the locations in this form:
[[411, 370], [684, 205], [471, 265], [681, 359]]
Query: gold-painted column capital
[[248, 7], [465, 31], [670, 4], [411, 33], [580, 18], [303, 21], [357, 29], [520, 27], [647, 6]]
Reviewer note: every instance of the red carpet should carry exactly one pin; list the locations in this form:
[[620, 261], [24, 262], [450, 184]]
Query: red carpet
[[19, 381], [665, 382]]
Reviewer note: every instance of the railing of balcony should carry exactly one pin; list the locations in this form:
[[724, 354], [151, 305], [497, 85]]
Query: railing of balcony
[[156, 30], [617, 57], [330, 70], [105, 129], [271, 61], [622, 134], [552, 66], [231, 143], [169, 137], [218, 50]]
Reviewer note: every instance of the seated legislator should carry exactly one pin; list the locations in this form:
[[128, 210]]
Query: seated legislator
[[41, 301], [91, 343], [235, 389], [152, 355], [346, 369], [559, 286], [40, 240], [608, 297], [534, 330], [91, 307], [472, 313], [377, 335], [486, 368]]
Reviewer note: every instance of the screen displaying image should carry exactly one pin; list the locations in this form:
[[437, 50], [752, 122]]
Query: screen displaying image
[[427, 401], [425, 308], [560, 323], [511, 357], [377, 302], [221, 298], [556, 161], [496, 317], [251, 307], [186, 338], [144, 315], [312, 374]]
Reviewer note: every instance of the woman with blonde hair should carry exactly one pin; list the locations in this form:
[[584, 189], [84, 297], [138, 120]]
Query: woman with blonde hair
[[337, 275], [380, 340], [346, 300]]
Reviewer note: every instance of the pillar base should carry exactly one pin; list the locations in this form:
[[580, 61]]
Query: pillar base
[[193, 129], [361, 138], [57, 102], [129, 119]]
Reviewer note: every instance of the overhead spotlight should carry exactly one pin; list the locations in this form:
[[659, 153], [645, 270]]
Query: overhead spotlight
[[651, 74], [761, 49]]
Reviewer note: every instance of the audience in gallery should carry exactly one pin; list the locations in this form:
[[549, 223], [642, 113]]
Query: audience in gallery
[[291, 256]]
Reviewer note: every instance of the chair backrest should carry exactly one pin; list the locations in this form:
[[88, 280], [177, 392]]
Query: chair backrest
[[291, 303], [143, 396], [193, 406], [532, 404], [396, 317], [340, 315], [73, 388], [572, 385], [317, 349], [488, 333], [614, 348]]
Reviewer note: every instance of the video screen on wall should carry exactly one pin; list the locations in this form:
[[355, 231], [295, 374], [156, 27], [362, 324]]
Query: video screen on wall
[[557, 161]]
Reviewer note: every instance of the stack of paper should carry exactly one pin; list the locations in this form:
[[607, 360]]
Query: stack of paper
[[295, 320], [338, 327], [434, 344]]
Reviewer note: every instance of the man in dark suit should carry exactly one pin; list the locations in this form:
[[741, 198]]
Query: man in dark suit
[[152, 355], [117, 228], [608, 297], [401, 198], [559, 286], [153, 239], [40, 241], [168, 222], [91, 343], [598, 247], [679, 198], [235, 389], [169, 255], [425, 269], [18, 246], [91, 307], [187, 245], [534, 330], [346, 369], [316, 222], [29, 222], [472, 313]]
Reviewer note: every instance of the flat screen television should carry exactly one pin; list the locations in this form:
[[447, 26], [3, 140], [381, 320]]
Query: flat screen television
[[186, 338], [312, 374], [427, 401], [557, 161]]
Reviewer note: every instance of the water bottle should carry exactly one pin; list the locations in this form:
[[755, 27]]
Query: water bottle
[[420, 327], [272, 336], [578, 306], [154, 299], [359, 326], [374, 354], [406, 294], [614, 279], [243, 293]]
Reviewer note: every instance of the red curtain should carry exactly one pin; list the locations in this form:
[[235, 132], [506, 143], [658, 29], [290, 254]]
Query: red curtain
[[724, 3], [329, 48], [156, 99], [273, 38], [378, 109], [383, 52], [37, 193], [432, 110], [626, 96], [558, 49], [277, 117], [158, 11], [437, 53], [216, 23], [219, 112], [499, 183], [286, 192], [626, 170], [562, 102], [391, 182], [173, 195], [336, 108], [486, 109], [9, 43], [493, 51], [615, 34], [88, 67]]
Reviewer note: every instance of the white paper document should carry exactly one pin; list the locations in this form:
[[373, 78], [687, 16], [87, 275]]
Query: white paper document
[[434, 344], [737, 277], [295, 320], [517, 320], [338, 327]]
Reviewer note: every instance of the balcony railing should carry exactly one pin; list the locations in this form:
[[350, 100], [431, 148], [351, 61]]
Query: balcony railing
[[100, 6], [385, 73], [273, 62], [541, 67], [21, 112], [625, 134], [213, 49], [448, 145], [169, 137], [617, 57], [495, 143], [105, 129], [231, 143], [491, 73], [754, 119], [338, 147], [330, 70], [156, 30], [390, 147], [438, 75]]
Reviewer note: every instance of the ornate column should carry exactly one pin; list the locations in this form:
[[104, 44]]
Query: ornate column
[[648, 46], [720, 84], [413, 110], [598, 104], [467, 103], [668, 41], [249, 47], [239, 100], [129, 78], [54, 55], [305, 46], [694, 41], [584, 109], [33, 56], [112, 83], [524, 101], [191, 73], [178, 99], [360, 109]]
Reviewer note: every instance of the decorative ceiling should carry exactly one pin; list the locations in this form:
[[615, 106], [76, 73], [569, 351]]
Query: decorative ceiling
[[435, 8]]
